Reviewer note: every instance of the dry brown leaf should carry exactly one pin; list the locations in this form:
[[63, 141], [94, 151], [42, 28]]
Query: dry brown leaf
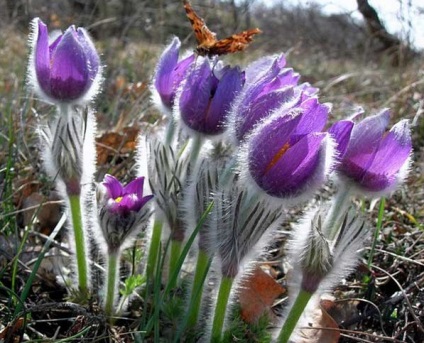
[[321, 320], [257, 295], [112, 143]]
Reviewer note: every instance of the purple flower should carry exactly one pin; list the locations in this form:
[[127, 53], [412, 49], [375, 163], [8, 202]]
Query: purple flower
[[170, 72], [376, 160], [266, 90], [125, 199], [63, 70], [121, 210], [287, 155], [206, 96]]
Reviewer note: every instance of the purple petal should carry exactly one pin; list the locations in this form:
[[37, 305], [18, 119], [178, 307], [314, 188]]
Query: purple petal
[[366, 136], [229, 86], [113, 186], [141, 202], [255, 69], [135, 187], [308, 90], [196, 94], [69, 71], [393, 151], [314, 116], [340, 131], [268, 141], [92, 58], [42, 57], [167, 62], [261, 108], [294, 168]]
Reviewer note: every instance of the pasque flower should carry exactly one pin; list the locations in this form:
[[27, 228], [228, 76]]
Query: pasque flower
[[64, 70], [121, 209], [170, 72], [206, 96], [376, 160], [268, 86], [288, 156]]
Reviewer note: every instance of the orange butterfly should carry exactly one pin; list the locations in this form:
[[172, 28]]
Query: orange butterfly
[[206, 39]]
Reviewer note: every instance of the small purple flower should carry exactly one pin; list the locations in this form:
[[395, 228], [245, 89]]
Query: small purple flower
[[376, 160], [170, 72], [121, 210], [125, 199], [206, 96], [287, 155], [266, 90], [63, 70]]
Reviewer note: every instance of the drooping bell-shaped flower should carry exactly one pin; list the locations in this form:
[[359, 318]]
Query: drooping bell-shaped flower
[[121, 209], [206, 96], [170, 71], [266, 90], [66, 70], [376, 160], [288, 156]]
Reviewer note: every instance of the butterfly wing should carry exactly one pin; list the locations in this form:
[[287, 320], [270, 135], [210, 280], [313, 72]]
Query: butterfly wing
[[236, 42], [205, 37]]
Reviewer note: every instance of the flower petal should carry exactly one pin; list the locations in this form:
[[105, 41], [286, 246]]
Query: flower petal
[[69, 69], [135, 187], [293, 170], [42, 56], [341, 132], [228, 87], [113, 186]]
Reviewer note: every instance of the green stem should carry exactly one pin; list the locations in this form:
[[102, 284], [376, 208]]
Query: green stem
[[377, 230], [295, 312], [175, 253], [196, 146], [154, 249], [82, 270], [221, 307], [202, 267], [336, 212], [170, 130], [112, 269]]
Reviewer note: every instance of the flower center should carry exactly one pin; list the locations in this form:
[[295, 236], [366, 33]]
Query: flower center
[[118, 199]]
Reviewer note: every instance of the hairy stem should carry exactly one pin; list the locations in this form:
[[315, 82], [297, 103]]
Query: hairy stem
[[202, 267], [295, 312], [221, 307], [80, 244], [111, 278]]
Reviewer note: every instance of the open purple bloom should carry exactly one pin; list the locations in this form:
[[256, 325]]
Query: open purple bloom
[[124, 199], [206, 96], [121, 210], [377, 160], [287, 154], [170, 72], [265, 91], [63, 70]]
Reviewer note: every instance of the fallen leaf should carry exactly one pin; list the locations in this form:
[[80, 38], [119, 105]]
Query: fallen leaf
[[257, 294], [327, 330]]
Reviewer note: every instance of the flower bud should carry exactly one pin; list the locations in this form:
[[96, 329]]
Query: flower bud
[[170, 72], [65, 70], [206, 96]]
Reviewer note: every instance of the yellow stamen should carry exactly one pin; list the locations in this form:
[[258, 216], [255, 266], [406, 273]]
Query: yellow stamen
[[118, 199], [277, 156]]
